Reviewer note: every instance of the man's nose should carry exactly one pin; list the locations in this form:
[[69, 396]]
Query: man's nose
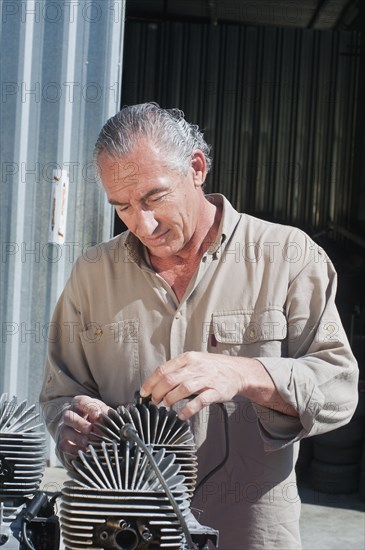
[[145, 223]]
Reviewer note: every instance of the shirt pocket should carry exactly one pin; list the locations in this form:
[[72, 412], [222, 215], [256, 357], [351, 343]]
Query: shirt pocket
[[249, 333], [112, 353]]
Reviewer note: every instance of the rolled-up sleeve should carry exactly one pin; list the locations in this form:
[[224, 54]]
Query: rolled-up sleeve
[[67, 373], [319, 374]]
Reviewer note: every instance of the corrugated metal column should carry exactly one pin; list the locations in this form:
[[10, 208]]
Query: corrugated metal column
[[60, 81], [68, 67], [22, 123]]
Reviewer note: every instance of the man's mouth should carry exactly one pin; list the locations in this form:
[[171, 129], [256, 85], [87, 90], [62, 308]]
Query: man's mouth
[[155, 241]]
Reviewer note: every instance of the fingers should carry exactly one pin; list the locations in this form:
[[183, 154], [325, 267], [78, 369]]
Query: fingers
[[88, 407], [202, 400], [178, 386], [214, 377], [164, 374], [71, 441], [77, 423], [181, 377]]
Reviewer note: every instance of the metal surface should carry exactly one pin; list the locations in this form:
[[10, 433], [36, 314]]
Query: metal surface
[[22, 447], [60, 81], [318, 14], [114, 499], [277, 105], [161, 429]]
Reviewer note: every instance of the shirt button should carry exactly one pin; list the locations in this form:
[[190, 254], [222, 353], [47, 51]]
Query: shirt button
[[98, 332], [178, 315]]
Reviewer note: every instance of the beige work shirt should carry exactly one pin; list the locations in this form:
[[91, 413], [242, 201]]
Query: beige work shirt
[[262, 290]]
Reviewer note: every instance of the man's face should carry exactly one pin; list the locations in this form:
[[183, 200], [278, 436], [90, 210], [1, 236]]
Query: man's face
[[161, 206]]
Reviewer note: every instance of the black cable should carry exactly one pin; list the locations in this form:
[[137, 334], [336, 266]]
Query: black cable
[[25, 536], [54, 497], [33, 507], [128, 432], [227, 449]]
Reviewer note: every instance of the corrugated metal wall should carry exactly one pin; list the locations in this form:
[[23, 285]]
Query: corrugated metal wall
[[60, 81], [278, 106]]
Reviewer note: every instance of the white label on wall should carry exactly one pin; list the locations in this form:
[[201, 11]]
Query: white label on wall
[[58, 215]]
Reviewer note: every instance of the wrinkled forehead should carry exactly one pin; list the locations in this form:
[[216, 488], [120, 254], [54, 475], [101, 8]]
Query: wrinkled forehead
[[135, 173], [131, 168], [145, 154], [146, 161]]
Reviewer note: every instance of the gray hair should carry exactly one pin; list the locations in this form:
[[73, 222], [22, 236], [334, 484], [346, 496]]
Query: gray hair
[[166, 128]]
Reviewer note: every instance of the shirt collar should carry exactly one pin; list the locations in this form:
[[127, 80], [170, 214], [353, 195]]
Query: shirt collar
[[227, 224]]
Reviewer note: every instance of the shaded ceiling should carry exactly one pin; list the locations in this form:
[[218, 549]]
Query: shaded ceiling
[[311, 14]]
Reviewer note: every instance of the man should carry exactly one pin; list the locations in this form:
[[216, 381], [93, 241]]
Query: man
[[198, 304]]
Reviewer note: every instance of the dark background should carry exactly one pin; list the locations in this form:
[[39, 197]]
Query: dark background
[[278, 88]]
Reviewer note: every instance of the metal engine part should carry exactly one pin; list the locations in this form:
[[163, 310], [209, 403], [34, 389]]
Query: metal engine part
[[115, 500], [22, 446]]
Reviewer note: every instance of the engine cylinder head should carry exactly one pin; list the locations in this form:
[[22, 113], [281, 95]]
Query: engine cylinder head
[[114, 499], [22, 448]]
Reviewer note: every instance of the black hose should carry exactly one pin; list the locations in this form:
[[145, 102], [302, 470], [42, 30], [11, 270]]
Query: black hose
[[227, 449], [33, 507], [128, 432], [25, 536]]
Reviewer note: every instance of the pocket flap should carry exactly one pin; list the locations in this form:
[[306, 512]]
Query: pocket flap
[[247, 327]]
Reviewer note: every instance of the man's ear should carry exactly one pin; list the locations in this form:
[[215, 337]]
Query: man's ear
[[199, 166]]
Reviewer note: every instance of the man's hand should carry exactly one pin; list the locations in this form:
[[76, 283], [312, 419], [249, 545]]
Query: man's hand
[[77, 422], [211, 377]]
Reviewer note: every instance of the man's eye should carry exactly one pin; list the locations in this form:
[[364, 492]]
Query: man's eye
[[123, 208], [158, 198]]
